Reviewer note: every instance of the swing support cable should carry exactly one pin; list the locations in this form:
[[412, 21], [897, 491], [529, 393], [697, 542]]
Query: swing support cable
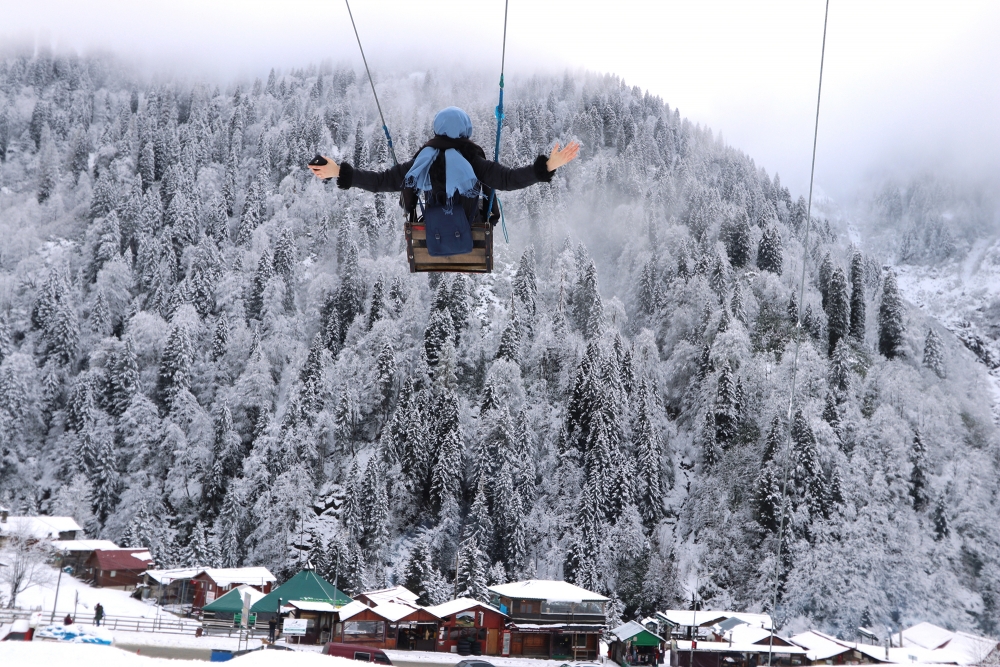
[[385, 128], [498, 112], [786, 455]]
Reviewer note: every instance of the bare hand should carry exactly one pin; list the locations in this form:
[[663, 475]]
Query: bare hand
[[329, 170], [558, 158]]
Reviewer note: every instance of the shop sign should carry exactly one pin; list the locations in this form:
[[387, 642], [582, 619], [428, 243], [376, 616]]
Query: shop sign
[[295, 626]]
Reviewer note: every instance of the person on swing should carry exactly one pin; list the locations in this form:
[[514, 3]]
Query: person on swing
[[449, 170]]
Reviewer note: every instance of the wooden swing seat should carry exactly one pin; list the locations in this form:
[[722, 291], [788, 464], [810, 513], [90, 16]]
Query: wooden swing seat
[[480, 260]]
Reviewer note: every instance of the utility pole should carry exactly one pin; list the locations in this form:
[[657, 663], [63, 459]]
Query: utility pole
[[56, 601]]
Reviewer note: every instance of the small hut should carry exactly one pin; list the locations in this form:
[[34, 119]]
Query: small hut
[[633, 644], [305, 596], [227, 610]]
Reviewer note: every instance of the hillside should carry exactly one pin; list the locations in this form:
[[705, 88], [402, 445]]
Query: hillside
[[209, 353]]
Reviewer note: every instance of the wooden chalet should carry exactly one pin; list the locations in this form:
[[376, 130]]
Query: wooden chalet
[[75, 553], [214, 582], [118, 568], [467, 624], [551, 619], [740, 646], [822, 649]]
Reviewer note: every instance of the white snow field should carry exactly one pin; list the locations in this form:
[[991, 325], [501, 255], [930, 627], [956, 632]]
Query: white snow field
[[52, 654]]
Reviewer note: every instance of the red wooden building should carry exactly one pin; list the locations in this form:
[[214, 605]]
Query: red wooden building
[[118, 568], [471, 623]]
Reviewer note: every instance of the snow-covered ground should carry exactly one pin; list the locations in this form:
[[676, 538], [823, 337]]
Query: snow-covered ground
[[115, 602], [52, 654], [404, 657], [959, 296]]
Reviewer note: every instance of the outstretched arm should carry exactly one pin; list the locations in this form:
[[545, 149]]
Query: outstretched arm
[[390, 180], [499, 177]]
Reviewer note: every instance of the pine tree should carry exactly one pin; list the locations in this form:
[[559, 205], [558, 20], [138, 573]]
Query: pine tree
[[648, 448], [647, 288], [940, 518], [767, 497], [175, 365], [857, 297], [418, 571], [739, 244], [934, 353], [263, 274], [918, 476], [807, 475], [770, 254], [284, 254], [123, 378], [830, 413], [510, 341], [890, 319], [62, 332], [840, 368], [446, 470], [710, 451], [838, 314], [374, 508], [823, 278], [471, 574], [725, 408], [377, 310], [385, 373], [254, 208], [525, 285], [439, 329], [220, 340], [587, 304], [737, 305]]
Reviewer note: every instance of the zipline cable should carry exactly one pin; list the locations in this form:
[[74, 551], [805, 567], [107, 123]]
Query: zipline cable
[[385, 128], [798, 340], [498, 112]]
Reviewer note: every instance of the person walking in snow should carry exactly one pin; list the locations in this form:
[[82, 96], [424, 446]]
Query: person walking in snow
[[272, 627], [464, 176], [98, 614]]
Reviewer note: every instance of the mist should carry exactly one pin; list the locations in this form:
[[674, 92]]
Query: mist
[[910, 87]]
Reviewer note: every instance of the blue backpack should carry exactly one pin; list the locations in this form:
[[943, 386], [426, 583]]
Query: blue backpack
[[448, 228]]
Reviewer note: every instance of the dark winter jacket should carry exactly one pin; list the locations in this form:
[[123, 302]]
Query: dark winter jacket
[[492, 175]]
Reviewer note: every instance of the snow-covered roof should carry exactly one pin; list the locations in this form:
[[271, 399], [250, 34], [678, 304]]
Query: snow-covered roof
[[631, 629], [927, 635], [820, 646], [946, 646], [394, 594], [352, 608], [687, 618], [84, 545], [223, 576], [748, 634], [547, 589], [393, 611], [726, 647], [40, 527], [227, 576], [312, 605], [454, 606]]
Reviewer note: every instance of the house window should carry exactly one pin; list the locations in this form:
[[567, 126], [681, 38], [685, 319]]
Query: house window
[[113, 573], [579, 641], [526, 607], [363, 630]]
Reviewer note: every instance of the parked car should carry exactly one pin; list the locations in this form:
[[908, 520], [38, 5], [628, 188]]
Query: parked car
[[357, 652], [17, 631], [474, 663]]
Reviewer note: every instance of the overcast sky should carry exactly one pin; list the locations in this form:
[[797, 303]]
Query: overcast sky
[[909, 83]]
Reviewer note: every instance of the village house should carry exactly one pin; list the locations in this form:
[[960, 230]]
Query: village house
[[822, 649], [634, 644], [38, 528], [740, 646], [550, 619], [469, 627], [198, 586], [118, 568], [75, 553]]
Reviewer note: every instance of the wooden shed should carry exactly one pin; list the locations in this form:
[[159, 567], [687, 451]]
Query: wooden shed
[[469, 626]]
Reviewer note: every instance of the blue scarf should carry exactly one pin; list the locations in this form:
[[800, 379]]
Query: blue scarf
[[459, 176]]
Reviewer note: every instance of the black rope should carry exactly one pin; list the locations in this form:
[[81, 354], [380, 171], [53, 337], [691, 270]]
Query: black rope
[[385, 128], [798, 341]]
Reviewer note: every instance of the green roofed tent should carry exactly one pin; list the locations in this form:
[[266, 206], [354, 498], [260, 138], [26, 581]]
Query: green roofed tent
[[306, 585], [636, 635], [232, 602]]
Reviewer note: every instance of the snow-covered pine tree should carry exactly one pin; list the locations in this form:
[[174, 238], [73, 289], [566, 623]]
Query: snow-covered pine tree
[[726, 418], [377, 309], [739, 244], [446, 470], [710, 450], [263, 274], [770, 254], [588, 309], [934, 353], [858, 297], [807, 472], [510, 340], [940, 519], [918, 475], [374, 509], [838, 314], [439, 329], [525, 284], [175, 365], [649, 472], [890, 319], [823, 277]]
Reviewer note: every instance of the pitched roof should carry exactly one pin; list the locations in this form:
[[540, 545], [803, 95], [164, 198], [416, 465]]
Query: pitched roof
[[394, 594], [40, 527], [642, 636], [546, 589], [227, 576], [687, 618], [306, 585], [352, 608], [927, 635], [176, 574], [727, 647], [232, 602], [121, 559], [84, 545], [820, 646], [461, 604]]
